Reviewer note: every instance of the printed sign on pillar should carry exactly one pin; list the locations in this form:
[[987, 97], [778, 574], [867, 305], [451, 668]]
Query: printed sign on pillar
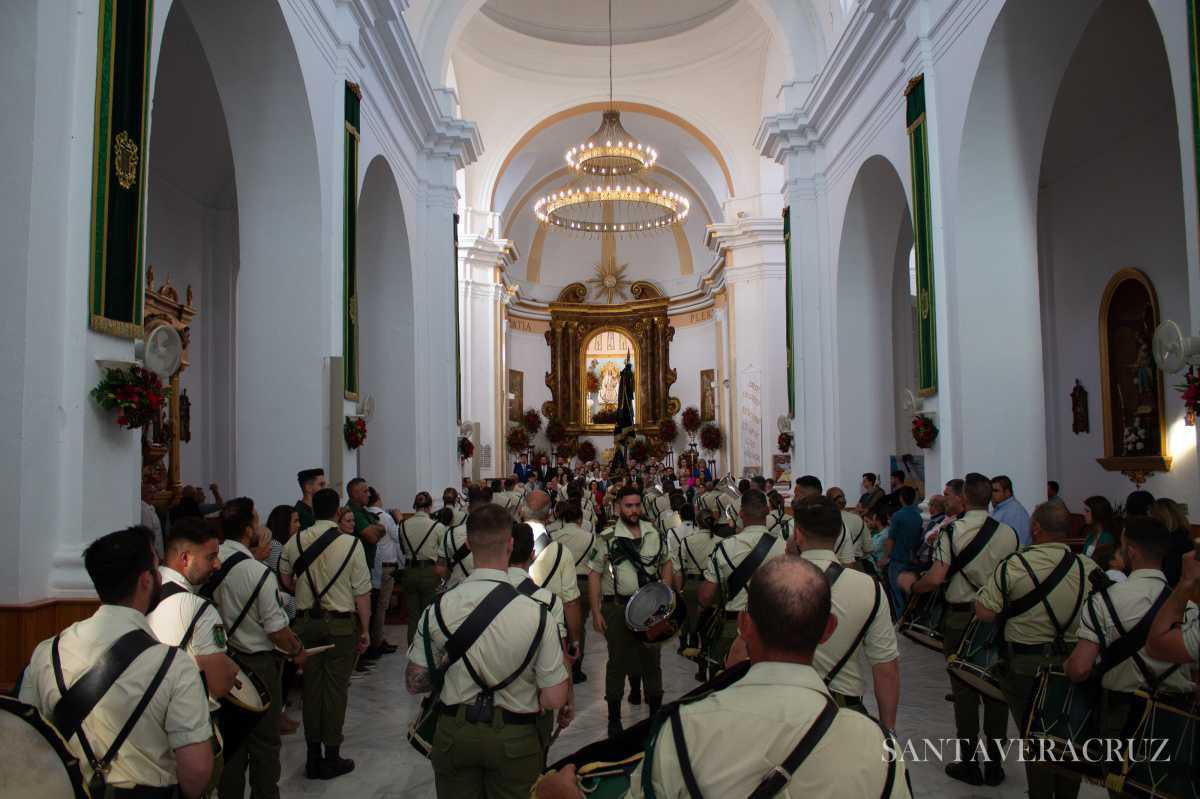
[[750, 420]]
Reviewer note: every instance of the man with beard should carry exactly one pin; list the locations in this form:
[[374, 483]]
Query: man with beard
[[631, 554], [168, 744]]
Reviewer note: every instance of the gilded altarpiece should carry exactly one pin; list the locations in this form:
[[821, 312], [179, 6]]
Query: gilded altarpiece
[[573, 325]]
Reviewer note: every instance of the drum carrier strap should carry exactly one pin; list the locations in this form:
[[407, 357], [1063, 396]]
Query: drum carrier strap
[[1041, 594], [553, 568], [460, 554], [1130, 643], [627, 550], [77, 702], [477, 621], [692, 555], [586, 551], [745, 570], [171, 589], [832, 573], [209, 589], [320, 544], [404, 538], [961, 560]]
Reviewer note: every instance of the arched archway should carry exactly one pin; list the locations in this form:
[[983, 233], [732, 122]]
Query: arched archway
[[874, 322], [275, 398], [387, 362], [1003, 378]]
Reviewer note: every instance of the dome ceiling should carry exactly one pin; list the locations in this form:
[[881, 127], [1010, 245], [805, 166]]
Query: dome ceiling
[[586, 23]]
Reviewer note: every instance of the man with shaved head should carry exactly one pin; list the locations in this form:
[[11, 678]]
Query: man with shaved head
[[775, 704], [553, 566]]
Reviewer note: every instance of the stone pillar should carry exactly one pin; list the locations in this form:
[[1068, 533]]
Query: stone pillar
[[481, 263], [755, 285]]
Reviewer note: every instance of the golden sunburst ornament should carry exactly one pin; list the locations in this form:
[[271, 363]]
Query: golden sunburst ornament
[[609, 282]]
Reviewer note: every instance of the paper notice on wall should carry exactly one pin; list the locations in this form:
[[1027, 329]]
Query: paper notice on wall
[[750, 420], [485, 456]]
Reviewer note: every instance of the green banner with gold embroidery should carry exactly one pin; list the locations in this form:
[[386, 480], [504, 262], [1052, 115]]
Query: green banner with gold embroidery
[[119, 168], [353, 97], [918, 145], [1194, 58], [787, 303]]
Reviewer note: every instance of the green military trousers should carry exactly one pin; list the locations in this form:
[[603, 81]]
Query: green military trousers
[[496, 760], [420, 585], [585, 613], [967, 699], [327, 675], [1018, 675], [628, 656], [260, 752]]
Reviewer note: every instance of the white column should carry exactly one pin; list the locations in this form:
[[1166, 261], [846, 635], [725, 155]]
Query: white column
[[755, 283], [481, 260]]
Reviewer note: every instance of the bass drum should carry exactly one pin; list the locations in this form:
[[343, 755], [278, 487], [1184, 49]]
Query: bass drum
[[241, 710], [35, 760], [655, 613]]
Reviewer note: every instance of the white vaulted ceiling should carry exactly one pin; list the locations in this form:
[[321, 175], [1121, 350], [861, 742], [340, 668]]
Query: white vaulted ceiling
[[586, 23]]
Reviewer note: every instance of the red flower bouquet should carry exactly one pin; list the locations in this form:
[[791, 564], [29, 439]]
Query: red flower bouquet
[[711, 437], [137, 395], [586, 451], [355, 431], [924, 431], [465, 448], [667, 430], [1189, 392], [532, 421], [517, 439], [785, 442], [691, 420]]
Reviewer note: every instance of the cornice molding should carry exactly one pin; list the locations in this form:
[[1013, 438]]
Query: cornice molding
[[743, 232]]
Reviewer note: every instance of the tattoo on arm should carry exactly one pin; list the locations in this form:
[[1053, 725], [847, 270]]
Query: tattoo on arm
[[417, 679]]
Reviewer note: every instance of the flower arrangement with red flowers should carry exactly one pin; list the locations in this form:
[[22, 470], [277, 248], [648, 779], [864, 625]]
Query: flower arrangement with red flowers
[[639, 451], [586, 451], [532, 421], [1189, 392], [565, 450], [355, 431], [667, 431], [785, 442], [711, 437], [924, 431], [691, 420], [605, 417], [593, 383], [137, 395], [517, 438], [556, 431], [466, 449]]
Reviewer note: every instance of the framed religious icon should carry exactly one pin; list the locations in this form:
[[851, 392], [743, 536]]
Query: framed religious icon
[[516, 395], [708, 404], [1135, 432], [605, 356]]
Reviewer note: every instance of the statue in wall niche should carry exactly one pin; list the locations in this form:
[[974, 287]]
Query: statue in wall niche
[[185, 417]]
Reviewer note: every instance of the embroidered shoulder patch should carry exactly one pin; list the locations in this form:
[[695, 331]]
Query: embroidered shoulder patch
[[219, 635]]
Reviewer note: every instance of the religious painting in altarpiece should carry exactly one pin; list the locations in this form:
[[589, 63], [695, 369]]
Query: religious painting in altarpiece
[[1131, 385], [516, 395]]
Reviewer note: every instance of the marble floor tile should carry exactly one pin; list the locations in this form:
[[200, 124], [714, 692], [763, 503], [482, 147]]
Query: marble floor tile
[[387, 767]]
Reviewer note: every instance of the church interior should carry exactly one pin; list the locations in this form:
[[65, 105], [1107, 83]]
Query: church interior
[[436, 243]]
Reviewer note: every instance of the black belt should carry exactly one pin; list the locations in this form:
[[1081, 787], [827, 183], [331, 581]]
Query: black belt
[[961, 606], [145, 792], [333, 614], [1030, 649], [417, 563], [609, 598], [508, 716], [392, 563], [730, 615]]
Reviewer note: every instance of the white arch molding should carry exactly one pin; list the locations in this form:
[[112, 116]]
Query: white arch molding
[[282, 323], [387, 362], [872, 336]]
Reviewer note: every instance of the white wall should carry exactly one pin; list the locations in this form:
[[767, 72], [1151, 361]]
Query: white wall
[[1110, 198]]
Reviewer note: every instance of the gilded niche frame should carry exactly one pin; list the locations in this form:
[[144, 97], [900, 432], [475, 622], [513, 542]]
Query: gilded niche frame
[[1129, 294], [574, 324]]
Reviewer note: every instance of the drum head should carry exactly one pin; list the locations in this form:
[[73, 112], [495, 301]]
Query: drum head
[[251, 695], [652, 603], [35, 761]]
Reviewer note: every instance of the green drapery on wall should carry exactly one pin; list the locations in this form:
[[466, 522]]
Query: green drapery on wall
[[457, 311], [350, 244], [787, 260], [918, 141], [119, 168], [1194, 58]]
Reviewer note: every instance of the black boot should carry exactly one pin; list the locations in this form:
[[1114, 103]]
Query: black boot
[[334, 765], [614, 719], [577, 675], [965, 771], [635, 690], [654, 703], [312, 766]]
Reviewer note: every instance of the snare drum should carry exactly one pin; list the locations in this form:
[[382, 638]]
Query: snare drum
[[424, 726], [1067, 713], [35, 760], [241, 709], [1165, 758], [975, 661], [655, 613], [921, 621]]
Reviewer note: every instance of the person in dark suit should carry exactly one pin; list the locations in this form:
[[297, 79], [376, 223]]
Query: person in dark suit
[[544, 471], [522, 469]]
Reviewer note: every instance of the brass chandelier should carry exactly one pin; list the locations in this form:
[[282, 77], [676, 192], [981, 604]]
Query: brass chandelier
[[610, 193]]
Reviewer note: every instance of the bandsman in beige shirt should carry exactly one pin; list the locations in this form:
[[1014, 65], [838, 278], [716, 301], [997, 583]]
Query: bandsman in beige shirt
[[553, 566], [737, 741], [486, 743], [326, 568], [1039, 626], [864, 632], [727, 556], [421, 544], [961, 569], [582, 545], [169, 744], [689, 555]]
